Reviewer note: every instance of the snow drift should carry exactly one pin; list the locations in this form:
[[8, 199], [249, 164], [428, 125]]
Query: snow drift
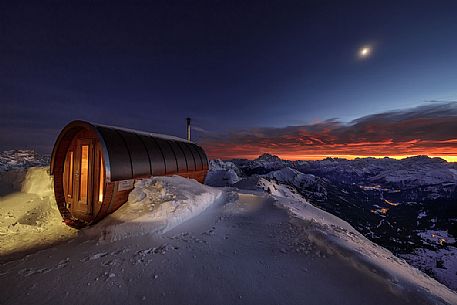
[[156, 205], [222, 173], [29, 218]]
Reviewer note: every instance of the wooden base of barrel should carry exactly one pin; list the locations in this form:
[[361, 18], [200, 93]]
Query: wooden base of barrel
[[115, 197]]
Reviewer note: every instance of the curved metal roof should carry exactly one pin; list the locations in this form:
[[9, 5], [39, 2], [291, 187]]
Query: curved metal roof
[[130, 154]]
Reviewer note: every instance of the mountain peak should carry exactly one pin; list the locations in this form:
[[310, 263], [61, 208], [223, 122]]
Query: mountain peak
[[268, 157]]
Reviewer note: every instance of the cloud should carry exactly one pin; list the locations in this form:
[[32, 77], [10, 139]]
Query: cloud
[[428, 129]]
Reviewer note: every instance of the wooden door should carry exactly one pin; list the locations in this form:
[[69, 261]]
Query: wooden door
[[83, 177]]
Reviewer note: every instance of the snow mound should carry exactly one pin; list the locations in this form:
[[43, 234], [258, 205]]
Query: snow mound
[[222, 178], [222, 173], [218, 164], [337, 236], [38, 181], [156, 205], [29, 218]]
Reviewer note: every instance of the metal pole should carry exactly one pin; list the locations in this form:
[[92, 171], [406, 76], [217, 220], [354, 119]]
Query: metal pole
[[188, 129]]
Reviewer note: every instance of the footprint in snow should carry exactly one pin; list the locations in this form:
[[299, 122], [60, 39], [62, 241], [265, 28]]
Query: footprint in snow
[[28, 272], [120, 251], [63, 263], [94, 256]]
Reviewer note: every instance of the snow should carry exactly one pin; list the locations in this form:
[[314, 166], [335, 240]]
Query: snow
[[418, 181], [150, 134], [421, 215], [21, 159], [30, 218], [216, 165], [441, 262], [336, 235], [292, 177], [297, 205], [222, 173], [454, 172], [156, 205], [178, 241], [436, 237], [37, 181], [409, 172]]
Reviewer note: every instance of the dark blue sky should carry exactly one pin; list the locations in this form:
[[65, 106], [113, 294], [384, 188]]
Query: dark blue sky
[[229, 65]]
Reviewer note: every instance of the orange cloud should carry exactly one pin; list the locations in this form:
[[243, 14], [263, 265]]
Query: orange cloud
[[425, 130]]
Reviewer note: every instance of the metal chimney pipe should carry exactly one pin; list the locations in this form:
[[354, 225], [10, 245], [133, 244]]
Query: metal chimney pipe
[[188, 129]]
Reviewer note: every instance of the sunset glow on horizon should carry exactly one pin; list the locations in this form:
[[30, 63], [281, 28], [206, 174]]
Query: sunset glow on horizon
[[446, 149], [300, 149], [303, 157], [425, 130]]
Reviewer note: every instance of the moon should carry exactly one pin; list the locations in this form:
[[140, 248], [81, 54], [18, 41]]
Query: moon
[[365, 52]]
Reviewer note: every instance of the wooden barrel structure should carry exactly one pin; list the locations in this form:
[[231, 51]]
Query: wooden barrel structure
[[95, 166]]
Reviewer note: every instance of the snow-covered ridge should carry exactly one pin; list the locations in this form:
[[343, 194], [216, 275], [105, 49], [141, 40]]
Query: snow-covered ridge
[[338, 237], [21, 159], [409, 172], [292, 176]]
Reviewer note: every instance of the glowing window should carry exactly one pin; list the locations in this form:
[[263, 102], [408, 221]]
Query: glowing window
[[70, 175], [101, 183], [84, 173]]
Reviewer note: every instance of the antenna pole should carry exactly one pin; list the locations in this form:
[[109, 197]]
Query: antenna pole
[[188, 128]]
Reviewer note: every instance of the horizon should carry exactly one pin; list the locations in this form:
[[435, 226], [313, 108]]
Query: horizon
[[449, 159]]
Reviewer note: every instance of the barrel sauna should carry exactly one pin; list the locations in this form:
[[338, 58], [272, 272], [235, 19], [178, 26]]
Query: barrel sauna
[[94, 167]]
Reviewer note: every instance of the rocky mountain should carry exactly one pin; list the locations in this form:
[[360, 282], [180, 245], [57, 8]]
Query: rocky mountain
[[21, 158]]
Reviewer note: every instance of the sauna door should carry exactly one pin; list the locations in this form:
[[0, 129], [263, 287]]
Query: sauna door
[[83, 177]]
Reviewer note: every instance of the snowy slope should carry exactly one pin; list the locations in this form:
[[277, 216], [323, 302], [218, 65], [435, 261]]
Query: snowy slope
[[30, 218], [336, 235], [175, 235], [391, 202]]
